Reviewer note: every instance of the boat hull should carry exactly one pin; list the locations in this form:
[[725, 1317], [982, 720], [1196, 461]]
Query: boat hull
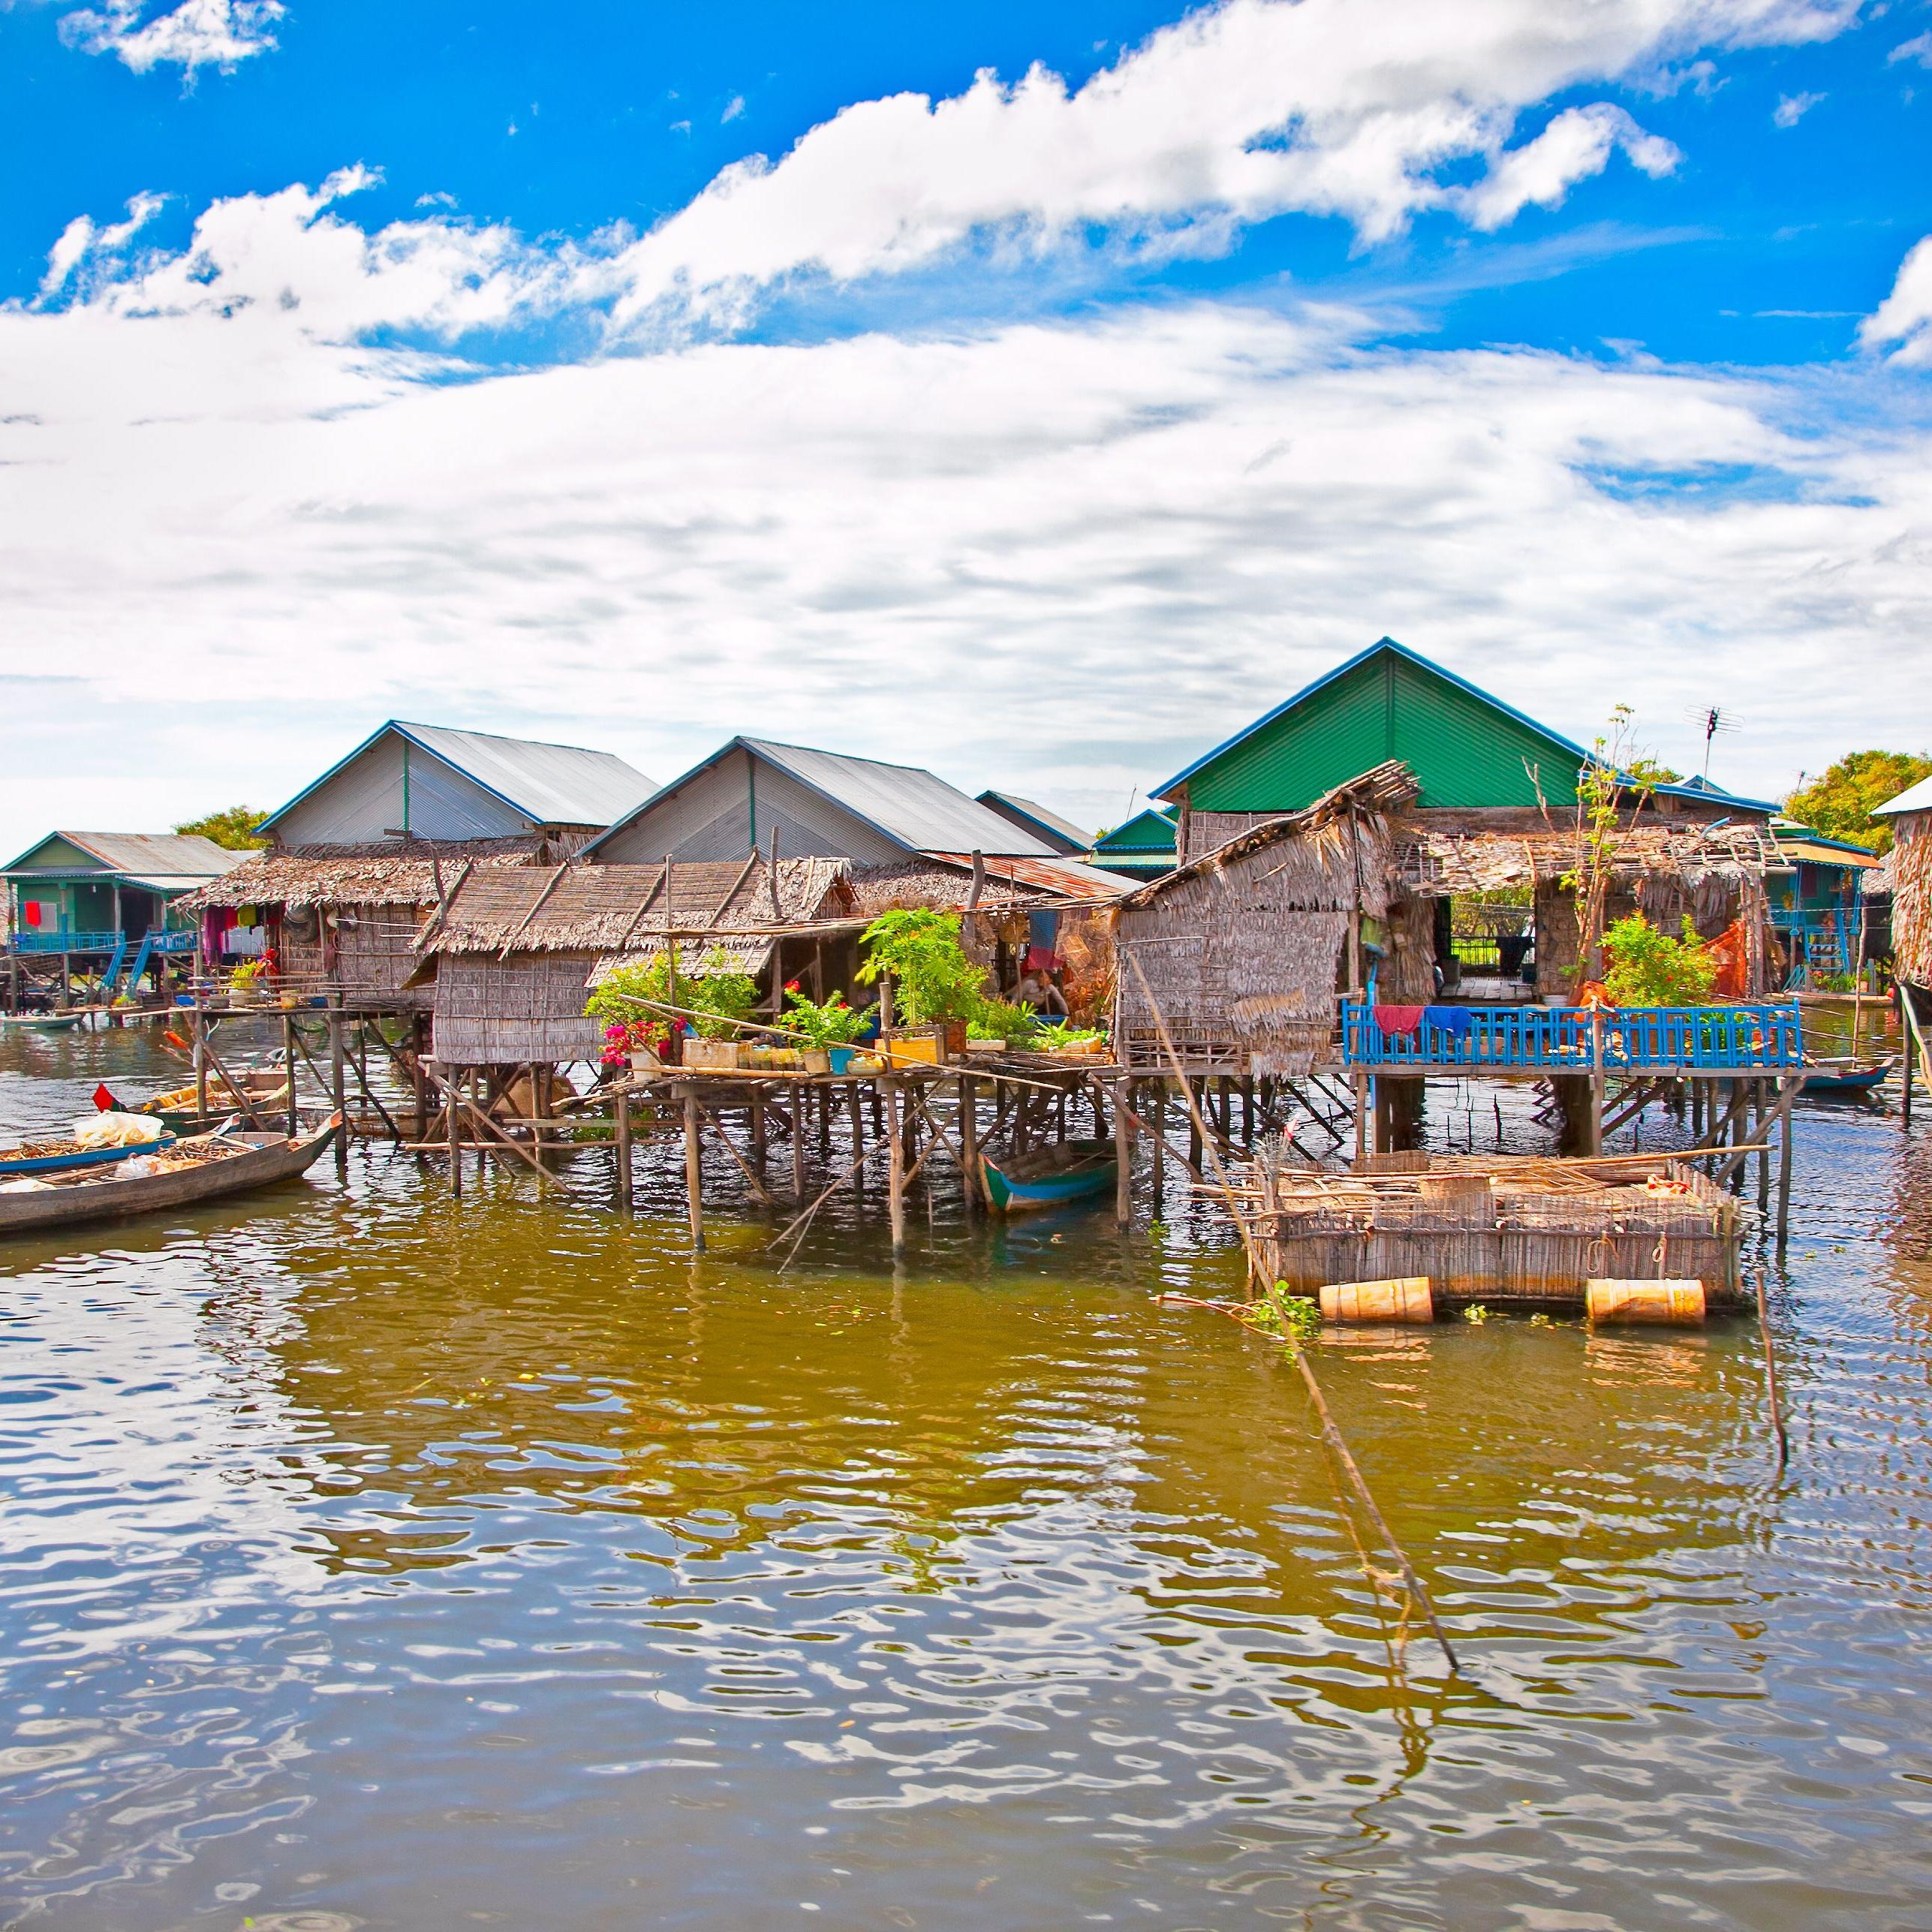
[[1845, 1080], [93, 1157], [269, 1158], [44, 1022], [1012, 1193]]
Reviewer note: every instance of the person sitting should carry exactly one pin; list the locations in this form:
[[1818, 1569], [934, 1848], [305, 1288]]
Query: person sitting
[[1036, 991]]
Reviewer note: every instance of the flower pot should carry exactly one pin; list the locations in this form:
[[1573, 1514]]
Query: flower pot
[[955, 1032], [914, 1045], [715, 1056], [839, 1058], [816, 1059]]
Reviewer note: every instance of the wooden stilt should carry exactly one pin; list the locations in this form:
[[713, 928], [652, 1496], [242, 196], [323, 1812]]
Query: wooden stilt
[[969, 1142], [758, 1131], [895, 1168], [200, 1063], [288, 1069], [1194, 1112], [856, 1102], [798, 1094], [624, 1177], [456, 1137], [1158, 1088], [693, 1174], [338, 1092], [1123, 1159]]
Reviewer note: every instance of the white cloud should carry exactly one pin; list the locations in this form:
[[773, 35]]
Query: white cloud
[[1905, 316], [1792, 108], [1918, 48], [235, 535], [1245, 110], [1576, 144], [733, 108], [196, 34]]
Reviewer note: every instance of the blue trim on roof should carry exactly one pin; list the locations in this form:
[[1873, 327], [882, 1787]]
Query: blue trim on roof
[[677, 784], [1805, 835], [409, 737], [1382, 645]]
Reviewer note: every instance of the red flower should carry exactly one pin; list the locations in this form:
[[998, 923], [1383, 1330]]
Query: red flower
[[791, 986]]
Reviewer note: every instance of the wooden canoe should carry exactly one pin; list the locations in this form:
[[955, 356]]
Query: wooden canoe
[[16, 1162], [1051, 1178], [1847, 1077], [262, 1160], [44, 1022]]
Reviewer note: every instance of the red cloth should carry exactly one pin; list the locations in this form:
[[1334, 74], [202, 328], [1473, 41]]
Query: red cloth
[[1729, 951], [1398, 1020], [1043, 959], [30, 910]]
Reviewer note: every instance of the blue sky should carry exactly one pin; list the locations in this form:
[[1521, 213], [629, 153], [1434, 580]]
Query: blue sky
[[461, 362]]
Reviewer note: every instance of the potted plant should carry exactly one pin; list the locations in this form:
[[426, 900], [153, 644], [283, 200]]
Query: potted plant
[[715, 1002], [245, 982], [935, 987], [827, 1029]]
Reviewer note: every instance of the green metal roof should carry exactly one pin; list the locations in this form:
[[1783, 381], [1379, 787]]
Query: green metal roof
[[1465, 747], [1148, 831]]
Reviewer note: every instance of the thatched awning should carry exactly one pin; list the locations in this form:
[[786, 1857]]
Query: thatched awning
[[297, 882], [1440, 864], [617, 910]]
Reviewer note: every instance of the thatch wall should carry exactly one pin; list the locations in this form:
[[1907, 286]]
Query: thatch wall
[[1909, 867], [1242, 949], [527, 1008]]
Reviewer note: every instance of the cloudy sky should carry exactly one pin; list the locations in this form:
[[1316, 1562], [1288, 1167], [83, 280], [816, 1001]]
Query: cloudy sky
[[1034, 393]]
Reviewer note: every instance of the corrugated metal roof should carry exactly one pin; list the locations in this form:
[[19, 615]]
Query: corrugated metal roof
[[148, 858], [555, 784], [1814, 853], [914, 806], [550, 784], [1025, 809], [1068, 878], [1916, 797]]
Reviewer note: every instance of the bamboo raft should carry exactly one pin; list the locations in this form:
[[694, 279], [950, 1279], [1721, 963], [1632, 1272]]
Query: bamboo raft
[[1517, 1232]]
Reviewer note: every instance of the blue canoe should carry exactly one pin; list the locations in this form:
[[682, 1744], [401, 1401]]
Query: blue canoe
[[1846, 1079], [1052, 1178], [79, 1156], [44, 1022]]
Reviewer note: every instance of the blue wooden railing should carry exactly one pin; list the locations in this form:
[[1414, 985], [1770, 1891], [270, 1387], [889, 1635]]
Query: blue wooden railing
[[33, 939], [1563, 1039]]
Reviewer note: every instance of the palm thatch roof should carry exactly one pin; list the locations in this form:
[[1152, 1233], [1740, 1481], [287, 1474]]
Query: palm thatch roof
[[297, 881], [1439, 862]]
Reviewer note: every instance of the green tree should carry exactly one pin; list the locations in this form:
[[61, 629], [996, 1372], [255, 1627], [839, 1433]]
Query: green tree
[[1839, 802], [235, 828]]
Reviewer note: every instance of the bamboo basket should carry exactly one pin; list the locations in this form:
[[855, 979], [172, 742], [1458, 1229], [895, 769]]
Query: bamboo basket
[[1406, 1298]]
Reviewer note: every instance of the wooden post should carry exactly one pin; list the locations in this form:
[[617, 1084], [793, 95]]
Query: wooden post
[[338, 1085], [969, 1142], [1906, 1015], [758, 1140], [288, 1069], [694, 1173], [1193, 1126], [455, 1133], [856, 1102], [1360, 1116], [1159, 1125], [895, 1167], [201, 1058], [1784, 1161], [797, 1089], [1124, 1157], [623, 1126]]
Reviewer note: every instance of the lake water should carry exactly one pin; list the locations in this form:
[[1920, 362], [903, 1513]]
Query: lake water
[[372, 1560]]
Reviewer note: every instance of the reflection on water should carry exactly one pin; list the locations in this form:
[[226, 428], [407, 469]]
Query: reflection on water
[[370, 1560]]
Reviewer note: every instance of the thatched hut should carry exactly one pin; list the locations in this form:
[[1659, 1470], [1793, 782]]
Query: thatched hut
[[1908, 874], [1244, 949], [511, 956], [332, 919]]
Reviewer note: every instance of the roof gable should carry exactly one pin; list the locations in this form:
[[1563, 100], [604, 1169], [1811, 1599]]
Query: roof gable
[[1147, 830], [1467, 748], [545, 784], [171, 856], [1030, 816], [1915, 798]]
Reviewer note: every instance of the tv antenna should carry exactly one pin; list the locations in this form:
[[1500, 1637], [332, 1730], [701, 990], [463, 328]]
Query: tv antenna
[[1711, 720]]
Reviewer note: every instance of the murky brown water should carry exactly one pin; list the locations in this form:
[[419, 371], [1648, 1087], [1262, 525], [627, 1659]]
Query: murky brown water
[[369, 1560]]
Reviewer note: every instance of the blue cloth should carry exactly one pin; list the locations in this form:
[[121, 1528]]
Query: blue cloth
[[1454, 1021]]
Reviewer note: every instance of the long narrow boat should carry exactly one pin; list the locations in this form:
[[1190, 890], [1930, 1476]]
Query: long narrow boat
[[246, 1161], [267, 1091], [1847, 1076], [1051, 1178], [43, 1022], [60, 1158]]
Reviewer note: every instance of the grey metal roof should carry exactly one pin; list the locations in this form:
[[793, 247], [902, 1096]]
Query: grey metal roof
[[550, 784], [164, 858], [1916, 798], [1030, 808], [913, 805], [555, 784]]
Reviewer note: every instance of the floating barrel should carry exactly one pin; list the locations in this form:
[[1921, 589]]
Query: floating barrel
[[1406, 1298], [1677, 1304]]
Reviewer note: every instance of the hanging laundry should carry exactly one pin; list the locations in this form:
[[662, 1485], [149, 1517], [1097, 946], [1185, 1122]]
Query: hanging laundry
[[1454, 1021], [1398, 1022]]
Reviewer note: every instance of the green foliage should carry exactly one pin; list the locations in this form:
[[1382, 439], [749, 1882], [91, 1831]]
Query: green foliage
[[247, 975], [1839, 802], [718, 996], [1646, 773], [234, 827], [933, 980], [1291, 1319], [1649, 968], [823, 1023], [1477, 1313], [1053, 1036], [1004, 1020]]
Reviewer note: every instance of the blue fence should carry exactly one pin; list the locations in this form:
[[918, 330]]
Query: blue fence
[[30, 939], [1563, 1039]]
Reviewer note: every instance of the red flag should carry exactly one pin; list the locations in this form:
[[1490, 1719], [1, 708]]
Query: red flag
[[104, 1101]]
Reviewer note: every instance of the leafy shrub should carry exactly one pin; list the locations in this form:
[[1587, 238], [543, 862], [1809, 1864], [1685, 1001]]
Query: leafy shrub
[[1650, 968], [933, 980], [718, 996]]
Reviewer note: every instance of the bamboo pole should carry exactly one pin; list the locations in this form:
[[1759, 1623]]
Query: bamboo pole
[[624, 1177], [969, 1138], [1331, 1434], [895, 1168], [694, 1173], [796, 1092], [456, 1131], [1123, 1161], [1770, 1376], [338, 1085]]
